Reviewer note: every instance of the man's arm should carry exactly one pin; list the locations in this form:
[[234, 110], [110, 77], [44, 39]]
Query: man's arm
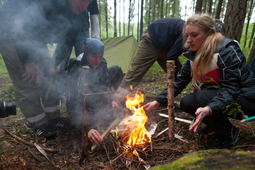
[[94, 26]]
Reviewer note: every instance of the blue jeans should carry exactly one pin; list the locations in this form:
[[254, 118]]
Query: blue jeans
[[80, 42], [78, 47]]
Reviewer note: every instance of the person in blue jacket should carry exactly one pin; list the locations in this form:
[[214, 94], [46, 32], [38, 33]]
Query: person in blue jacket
[[217, 67]]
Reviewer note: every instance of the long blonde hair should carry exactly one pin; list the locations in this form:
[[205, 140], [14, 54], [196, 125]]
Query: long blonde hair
[[205, 54]]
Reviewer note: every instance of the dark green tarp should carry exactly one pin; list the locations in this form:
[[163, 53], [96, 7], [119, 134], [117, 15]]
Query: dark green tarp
[[120, 51]]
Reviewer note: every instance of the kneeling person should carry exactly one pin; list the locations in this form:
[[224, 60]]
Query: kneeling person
[[89, 77]]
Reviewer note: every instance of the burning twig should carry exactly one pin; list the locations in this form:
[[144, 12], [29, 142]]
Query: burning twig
[[170, 86], [28, 143]]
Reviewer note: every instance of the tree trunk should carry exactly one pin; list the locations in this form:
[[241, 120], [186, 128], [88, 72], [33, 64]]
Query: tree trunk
[[149, 15], [99, 17], [162, 9], [173, 8], [106, 19], [137, 29], [252, 53], [199, 5], [141, 22], [166, 9], [119, 18], [252, 34], [209, 11], [248, 22], [205, 5], [153, 10], [217, 15], [129, 16], [234, 18], [124, 29], [115, 20]]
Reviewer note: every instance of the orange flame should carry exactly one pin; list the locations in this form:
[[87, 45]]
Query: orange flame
[[138, 133]]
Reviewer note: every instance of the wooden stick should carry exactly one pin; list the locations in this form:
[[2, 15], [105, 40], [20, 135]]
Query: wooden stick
[[85, 128], [108, 130], [28, 143], [170, 89], [85, 116], [176, 118]]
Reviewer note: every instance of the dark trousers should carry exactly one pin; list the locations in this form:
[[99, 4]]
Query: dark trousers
[[218, 122]]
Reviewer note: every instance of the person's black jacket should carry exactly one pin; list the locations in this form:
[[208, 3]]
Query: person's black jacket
[[236, 79], [166, 34], [34, 23]]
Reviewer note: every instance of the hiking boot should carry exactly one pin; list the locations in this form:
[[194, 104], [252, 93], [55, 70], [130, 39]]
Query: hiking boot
[[44, 131], [222, 142], [59, 123]]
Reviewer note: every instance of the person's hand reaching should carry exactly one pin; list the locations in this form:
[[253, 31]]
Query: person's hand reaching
[[201, 113], [95, 137], [31, 73], [150, 106]]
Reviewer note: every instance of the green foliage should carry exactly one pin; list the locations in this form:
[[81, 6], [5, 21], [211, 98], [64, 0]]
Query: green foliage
[[233, 109]]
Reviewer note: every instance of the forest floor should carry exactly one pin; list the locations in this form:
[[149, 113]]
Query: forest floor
[[14, 154]]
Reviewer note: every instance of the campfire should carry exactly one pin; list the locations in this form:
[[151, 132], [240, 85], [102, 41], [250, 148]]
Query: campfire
[[131, 130], [135, 134]]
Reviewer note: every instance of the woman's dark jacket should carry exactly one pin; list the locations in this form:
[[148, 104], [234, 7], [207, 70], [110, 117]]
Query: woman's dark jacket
[[236, 79]]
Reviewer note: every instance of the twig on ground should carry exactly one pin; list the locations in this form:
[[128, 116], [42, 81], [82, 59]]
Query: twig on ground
[[107, 153], [176, 118], [28, 143]]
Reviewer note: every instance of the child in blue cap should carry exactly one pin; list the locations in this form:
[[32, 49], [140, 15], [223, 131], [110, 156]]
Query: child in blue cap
[[102, 81]]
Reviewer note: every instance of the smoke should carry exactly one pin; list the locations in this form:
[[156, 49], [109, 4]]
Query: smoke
[[84, 89], [32, 24]]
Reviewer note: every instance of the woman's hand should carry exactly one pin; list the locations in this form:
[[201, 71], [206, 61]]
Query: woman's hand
[[150, 106], [201, 113], [95, 137], [115, 105], [31, 73], [196, 89]]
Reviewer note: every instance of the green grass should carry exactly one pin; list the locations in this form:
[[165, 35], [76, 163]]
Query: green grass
[[3, 70]]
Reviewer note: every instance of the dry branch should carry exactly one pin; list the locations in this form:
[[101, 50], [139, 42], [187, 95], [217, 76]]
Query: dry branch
[[28, 143], [176, 118], [108, 130]]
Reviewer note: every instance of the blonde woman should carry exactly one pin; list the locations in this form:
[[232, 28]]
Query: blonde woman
[[218, 68]]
